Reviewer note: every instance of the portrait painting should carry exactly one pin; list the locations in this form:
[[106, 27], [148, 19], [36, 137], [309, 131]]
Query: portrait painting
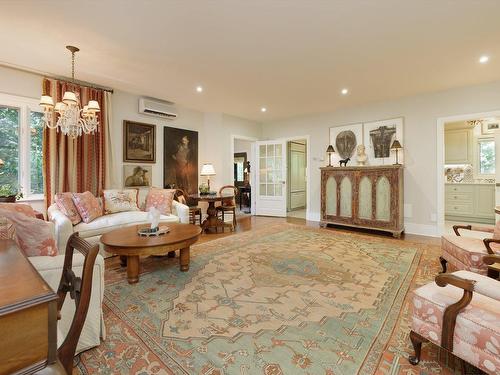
[[378, 138], [344, 140], [137, 176], [180, 159], [139, 142]]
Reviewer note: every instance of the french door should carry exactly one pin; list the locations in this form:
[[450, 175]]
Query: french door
[[271, 179]]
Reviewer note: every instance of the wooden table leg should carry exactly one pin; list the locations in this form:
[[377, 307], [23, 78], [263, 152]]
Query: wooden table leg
[[184, 259], [123, 260], [133, 269]]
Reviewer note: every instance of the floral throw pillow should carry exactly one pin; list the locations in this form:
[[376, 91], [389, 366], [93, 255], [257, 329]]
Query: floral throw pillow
[[88, 206], [120, 200], [64, 202], [33, 236], [19, 207], [161, 199]]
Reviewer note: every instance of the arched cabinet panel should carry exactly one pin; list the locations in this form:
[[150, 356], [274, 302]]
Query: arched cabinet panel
[[331, 196], [365, 209], [364, 197]]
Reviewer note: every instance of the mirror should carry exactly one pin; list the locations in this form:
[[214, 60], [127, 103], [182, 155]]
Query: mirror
[[240, 161]]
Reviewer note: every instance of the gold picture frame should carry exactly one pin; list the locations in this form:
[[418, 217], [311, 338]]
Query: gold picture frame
[[139, 142]]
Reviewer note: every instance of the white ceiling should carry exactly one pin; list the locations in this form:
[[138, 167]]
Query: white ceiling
[[292, 57]]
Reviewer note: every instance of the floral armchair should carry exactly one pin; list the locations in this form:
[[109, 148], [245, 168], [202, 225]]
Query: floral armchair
[[460, 312], [467, 253]]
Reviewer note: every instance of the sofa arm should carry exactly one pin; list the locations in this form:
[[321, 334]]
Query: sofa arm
[[63, 227], [181, 211]]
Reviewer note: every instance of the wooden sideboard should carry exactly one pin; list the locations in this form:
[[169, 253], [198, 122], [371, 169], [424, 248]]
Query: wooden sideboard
[[363, 197], [28, 315]]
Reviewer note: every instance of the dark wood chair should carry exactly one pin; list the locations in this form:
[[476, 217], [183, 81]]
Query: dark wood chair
[[79, 289], [228, 204], [194, 210]]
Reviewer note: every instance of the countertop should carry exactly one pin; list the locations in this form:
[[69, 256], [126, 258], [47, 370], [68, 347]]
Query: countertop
[[470, 183]]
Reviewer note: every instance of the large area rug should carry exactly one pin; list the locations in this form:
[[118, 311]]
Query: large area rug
[[286, 299]]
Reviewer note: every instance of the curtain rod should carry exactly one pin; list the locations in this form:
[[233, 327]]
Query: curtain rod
[[48, 75]]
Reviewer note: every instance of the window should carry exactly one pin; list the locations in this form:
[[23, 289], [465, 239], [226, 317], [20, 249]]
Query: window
[[487, 156], [21, 141]]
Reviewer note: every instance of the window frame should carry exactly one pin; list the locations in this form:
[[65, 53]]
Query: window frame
[[478, 157], [26, 106]]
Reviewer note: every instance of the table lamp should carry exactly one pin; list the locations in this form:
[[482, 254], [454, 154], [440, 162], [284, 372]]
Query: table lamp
[[330, 151], [207, 170], [396, 146]]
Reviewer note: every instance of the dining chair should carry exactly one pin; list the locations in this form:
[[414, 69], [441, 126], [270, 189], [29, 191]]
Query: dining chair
[[229, 203], [79, 289]]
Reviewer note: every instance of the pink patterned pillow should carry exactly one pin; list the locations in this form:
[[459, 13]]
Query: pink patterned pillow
[[65, 204], [87, 205], [19, 207], [33, 236], [161, 199]]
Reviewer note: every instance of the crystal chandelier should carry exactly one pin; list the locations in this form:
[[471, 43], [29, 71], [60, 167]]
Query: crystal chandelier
[[72, 120]]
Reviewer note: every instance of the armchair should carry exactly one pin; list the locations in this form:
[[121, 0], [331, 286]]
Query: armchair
[[467, 253], [460, 312]]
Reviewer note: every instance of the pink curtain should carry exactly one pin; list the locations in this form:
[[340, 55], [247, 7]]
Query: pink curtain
[[74, 165]]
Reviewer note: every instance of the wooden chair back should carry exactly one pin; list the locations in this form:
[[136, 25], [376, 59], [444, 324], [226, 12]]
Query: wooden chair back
[[79, 289], [230, 201], [182, 197]]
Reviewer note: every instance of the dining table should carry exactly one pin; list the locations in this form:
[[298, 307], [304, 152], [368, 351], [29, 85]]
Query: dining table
[[212, 221]]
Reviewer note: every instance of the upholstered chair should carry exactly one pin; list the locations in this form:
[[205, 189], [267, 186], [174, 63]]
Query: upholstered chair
[[229, 203], [459, 312], [194, 210], [466, 253]]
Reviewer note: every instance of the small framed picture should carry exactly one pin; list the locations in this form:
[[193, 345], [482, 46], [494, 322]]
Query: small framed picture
[[139, 142], [137, 176], [490, 127]]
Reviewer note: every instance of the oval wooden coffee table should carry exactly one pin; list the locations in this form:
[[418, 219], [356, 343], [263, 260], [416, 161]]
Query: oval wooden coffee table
[[130, 246]]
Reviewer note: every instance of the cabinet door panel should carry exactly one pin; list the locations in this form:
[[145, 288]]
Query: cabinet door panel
[[485, 201], [346, 197], [383, 199], [365, 198], [458, 146], [331, 197]]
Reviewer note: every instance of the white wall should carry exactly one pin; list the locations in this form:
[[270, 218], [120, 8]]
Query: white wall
[[214, 129], [420, 141]]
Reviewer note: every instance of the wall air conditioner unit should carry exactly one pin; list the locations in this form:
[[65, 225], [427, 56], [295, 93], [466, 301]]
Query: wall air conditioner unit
[[158, 108]]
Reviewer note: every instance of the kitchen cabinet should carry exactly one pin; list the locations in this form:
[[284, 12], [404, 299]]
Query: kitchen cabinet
[[470, 202], [458, 146]]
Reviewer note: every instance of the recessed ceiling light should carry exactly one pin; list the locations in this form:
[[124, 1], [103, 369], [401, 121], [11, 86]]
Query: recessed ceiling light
[[263, 109], [344, 91], [484, 59], [199, 89]]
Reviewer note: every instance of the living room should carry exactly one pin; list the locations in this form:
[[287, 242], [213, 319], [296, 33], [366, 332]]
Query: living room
[[157, 142]]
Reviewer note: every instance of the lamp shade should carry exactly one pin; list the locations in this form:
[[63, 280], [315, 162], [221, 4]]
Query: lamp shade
[[46, 101], [207, 170], [330, 149], [69, 98], [396, 145], [93, 106]]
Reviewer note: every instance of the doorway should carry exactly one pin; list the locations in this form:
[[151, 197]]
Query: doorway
[[242, 174], [297, 178]]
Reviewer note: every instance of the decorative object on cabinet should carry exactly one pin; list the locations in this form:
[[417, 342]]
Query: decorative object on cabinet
[[346, 138], [378, 138], [330, 151], [361, 158], [207, 170], [139, 142], [180, 159], [396, 146], [344, 161], [363, 197], [137, 175]]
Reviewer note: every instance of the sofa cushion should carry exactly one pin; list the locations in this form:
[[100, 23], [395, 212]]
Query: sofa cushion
[[88, 206], [64, 201], [160, 199], [477, 332], [19, 207], [467, 250], [116, 200], [109, 222]]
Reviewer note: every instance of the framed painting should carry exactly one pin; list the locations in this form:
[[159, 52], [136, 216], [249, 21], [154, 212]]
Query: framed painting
[[489, 127], [180, 159], [344, 140], [139, 142], [137, 176], [378, 138]]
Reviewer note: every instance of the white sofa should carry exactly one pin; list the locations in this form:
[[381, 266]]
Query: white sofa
[[92, 231]]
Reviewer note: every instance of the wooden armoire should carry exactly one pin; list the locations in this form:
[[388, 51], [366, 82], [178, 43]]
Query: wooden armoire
[[363, 197]]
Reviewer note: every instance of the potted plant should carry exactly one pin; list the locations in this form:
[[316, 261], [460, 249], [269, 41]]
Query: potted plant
[[9, 193]]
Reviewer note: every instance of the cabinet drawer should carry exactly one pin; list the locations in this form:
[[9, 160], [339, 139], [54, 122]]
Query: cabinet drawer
[[453, 198], [459, 209], [459, 188]]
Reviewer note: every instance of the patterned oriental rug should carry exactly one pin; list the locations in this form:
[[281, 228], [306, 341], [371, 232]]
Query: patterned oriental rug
[[286, 299]]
